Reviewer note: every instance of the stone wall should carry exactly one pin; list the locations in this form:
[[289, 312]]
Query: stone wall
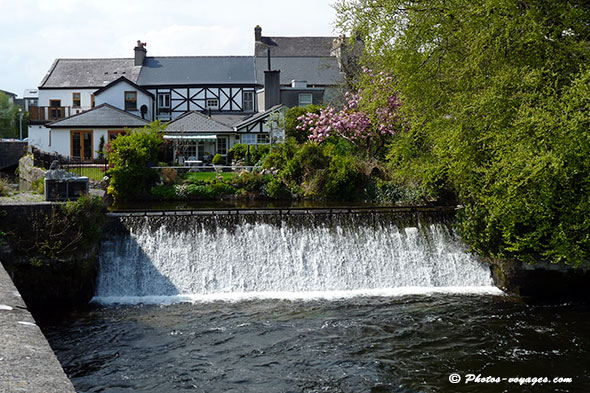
[[10, 152], [36, 250]]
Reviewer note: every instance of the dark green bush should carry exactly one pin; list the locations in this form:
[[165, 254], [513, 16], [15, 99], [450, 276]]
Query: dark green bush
[[164, 191], [129, 157], [248, 154], [343, 179], [218, 159], [249, 181]]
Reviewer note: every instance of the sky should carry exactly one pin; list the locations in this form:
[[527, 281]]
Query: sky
[[36, 32]]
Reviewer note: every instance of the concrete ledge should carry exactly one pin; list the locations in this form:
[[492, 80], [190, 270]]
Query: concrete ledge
[[27, 362]]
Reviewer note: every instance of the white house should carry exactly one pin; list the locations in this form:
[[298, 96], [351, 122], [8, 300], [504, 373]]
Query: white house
[[79, 136], [237, 92]]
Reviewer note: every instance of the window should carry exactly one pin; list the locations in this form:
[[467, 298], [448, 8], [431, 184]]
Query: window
[[249, 139], [212, 103], [55, 110], [113, 134], [248, 101], [76, 101], [262, 139], [81, 145], [305, 99], [163, 100], [130, 100], [222, 146]]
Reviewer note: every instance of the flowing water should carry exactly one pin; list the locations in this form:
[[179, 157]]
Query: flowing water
[[309, 303]]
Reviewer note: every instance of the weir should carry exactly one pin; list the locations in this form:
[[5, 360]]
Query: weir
[[201, 256]]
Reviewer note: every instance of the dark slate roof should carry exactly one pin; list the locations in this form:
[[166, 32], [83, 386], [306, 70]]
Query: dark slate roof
[[313, 70], [91, 73], [197, 70], [195, 121], [102, 116], [294, 46], [258, 116], [123, 79], [228, 119]]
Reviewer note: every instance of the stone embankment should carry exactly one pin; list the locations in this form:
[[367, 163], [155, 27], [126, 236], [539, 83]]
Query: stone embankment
[[27, 363]]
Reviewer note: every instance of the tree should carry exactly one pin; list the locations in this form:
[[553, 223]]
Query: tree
[[495, 97], [292, 122], [9, 118], [368, 119], [130, 159]]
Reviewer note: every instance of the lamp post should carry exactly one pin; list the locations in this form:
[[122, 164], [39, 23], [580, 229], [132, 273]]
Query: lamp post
[[20, 122]]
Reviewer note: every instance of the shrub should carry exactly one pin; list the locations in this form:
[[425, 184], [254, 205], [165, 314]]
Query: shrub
[[276, 189], [309, 158], [343, 179], [218, 160], [3, 187], [249, 181], [164, 191], [129, 157], [248, 154], [292, 121], [169, 175]]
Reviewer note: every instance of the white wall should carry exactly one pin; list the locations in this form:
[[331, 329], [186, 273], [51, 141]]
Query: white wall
[[65, 95], [61, 139], [115, 96], [39, 137]]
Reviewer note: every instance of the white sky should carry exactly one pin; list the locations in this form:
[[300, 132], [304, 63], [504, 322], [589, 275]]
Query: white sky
[[36, 32]]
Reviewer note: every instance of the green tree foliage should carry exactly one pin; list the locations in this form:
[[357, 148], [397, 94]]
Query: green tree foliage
[[10, 118], [292, 121], [496, 102], [130, 159]]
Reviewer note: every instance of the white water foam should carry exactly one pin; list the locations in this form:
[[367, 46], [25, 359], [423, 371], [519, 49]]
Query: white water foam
[[265, 261], [294, 296]]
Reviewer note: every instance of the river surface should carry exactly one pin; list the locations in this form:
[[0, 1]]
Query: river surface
[[373, 302], [361, 344]]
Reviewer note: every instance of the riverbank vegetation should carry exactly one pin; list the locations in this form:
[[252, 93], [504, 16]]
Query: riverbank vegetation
[[480, 104], [496, 102]]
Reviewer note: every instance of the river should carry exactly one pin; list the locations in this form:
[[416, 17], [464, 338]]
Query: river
[[348, 303]]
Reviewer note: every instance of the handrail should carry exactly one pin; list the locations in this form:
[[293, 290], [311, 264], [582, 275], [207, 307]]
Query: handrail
[[283, 211]]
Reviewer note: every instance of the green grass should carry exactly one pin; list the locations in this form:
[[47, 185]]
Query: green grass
[[208, 176], [91, 172]]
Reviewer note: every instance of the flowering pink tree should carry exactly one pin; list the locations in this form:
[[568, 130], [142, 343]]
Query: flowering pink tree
[[368, 118]]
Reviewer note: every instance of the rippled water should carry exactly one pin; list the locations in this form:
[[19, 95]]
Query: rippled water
[[386, 344]]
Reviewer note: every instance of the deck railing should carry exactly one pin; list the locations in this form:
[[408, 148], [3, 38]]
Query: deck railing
[[48, 113]]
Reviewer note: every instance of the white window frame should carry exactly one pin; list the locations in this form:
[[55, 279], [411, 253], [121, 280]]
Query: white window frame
[[305, 99], [249, 139], [163, 100], [222, 141]]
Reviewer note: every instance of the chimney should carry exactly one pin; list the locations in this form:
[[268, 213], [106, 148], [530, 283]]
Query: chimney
[[140, 53], [272, 89], [258, 33]]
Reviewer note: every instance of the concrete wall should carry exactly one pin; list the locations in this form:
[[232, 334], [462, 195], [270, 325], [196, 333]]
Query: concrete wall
[[27, 363], [11, 152]]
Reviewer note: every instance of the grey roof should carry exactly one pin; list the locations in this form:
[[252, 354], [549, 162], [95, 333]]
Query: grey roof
[[228, 119], [125, 80], [91, 73], [294, 46], [8, 93], [102, 116], [258, 116], [195, 121], [313, 70], [197, 70]]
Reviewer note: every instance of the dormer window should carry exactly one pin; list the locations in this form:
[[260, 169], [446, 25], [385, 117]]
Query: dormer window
[[212, 103], [305, 99], [130, 100]]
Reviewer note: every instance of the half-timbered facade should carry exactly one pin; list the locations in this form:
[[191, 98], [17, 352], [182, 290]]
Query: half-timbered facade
[[236, 91]]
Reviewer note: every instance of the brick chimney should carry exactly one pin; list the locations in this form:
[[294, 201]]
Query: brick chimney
[[258, 33], [140, 53]]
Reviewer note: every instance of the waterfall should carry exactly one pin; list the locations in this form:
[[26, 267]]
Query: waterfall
[[176, 258]]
